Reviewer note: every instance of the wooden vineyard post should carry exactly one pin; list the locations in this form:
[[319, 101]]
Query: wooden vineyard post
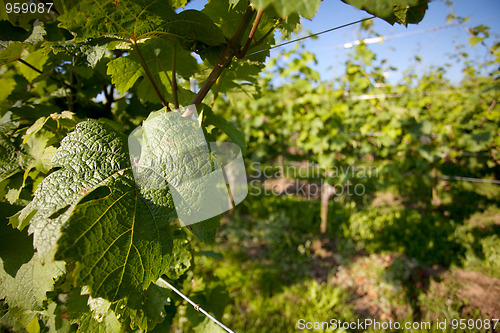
[[327, 191]]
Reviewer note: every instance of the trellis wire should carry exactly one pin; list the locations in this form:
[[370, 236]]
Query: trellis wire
[[312, 35], [163, 282], [468, 179]]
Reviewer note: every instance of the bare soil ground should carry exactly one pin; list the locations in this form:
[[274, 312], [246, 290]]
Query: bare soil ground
[[474, 290], [481, 291]]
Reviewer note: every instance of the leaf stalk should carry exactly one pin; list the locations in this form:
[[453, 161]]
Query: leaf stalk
[[149, 76], [240, 54]]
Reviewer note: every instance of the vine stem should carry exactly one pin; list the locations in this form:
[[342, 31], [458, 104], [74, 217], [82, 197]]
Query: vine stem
[[225, 59], [259, 41], [148, 74], [24, 62], [240, 54], [163, 283], [174, 80], [29, 65]]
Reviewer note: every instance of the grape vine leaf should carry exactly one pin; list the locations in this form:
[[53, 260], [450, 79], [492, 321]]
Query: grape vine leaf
[[147, 311], [108, 323], [11, 52], [124, 73], [284, 8], [141, 19], [91, 315], [37, 34], [92, 209], [20, 320], [9, 83], [168, 136], [392, 11], [86, 53], [240, 80], [178, 3], [225, 15], [39, 148], [37, 59], [91, 156], [122, 241], [32, 280], [127, 71], [180, 260], [11, 157]]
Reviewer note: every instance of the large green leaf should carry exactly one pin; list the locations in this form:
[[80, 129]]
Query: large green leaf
[[392, 11], [92, 156], [240, 81], [36, 59], [126, 71], [11, 52], [284, 8], [121, 241], [108, 323], [90, 314], [174, 152], [141, 19], [86, 53], [32, 280], [180, 261], [118, 233], [226, 16]]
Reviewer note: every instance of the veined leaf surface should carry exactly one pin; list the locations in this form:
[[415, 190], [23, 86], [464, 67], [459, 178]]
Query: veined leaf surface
[[92, 209]]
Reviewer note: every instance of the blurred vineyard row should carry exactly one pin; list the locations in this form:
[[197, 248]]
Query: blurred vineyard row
[[421, 241]]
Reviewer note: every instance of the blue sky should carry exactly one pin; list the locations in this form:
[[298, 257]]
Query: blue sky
[[433, 45], [403, 44]]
